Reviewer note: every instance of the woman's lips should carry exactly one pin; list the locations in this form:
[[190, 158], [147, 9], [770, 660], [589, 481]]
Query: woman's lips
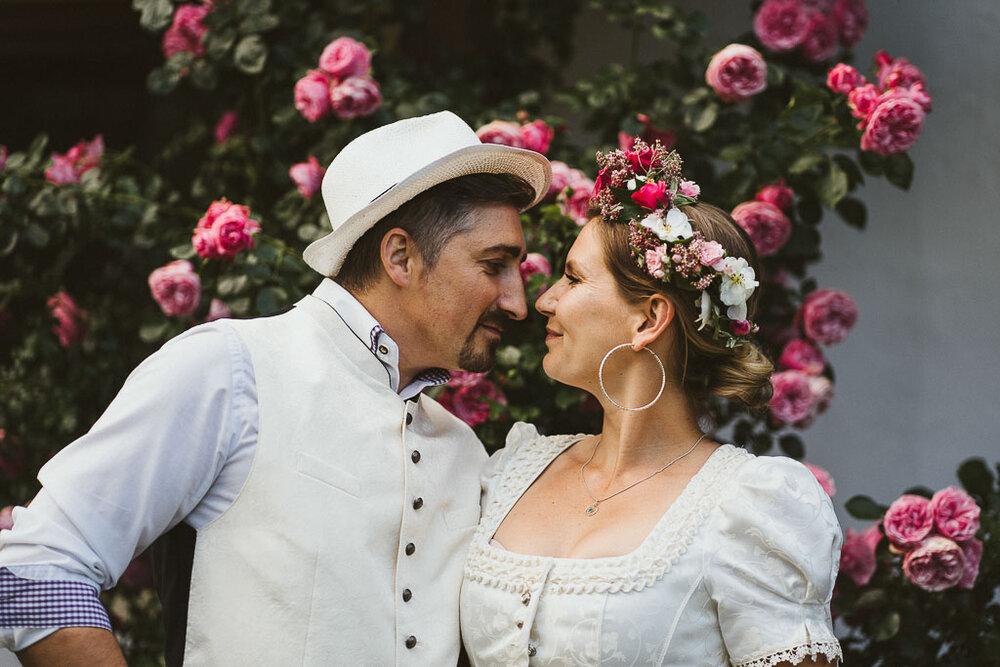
[[551, 335]]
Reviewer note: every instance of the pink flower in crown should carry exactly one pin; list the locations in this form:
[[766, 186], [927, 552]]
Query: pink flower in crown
[[936, 564], [176, 288], [575, 201], [537, 136], [824, 478], [857, 557], [827, 316], [355, 96], [186, 32], [765, 224], [737, 73], [534, 263], [641, 160], [792, 398], [781, 25], [956, 514], [6, 517], [468, 397], [862, 101], [821, 38], [689, 189], [650, 134], [652, 196], [740, 327], [801, 355], [894, 126], [501, 132], [973, 552], [218, 310], [709, 252], [654, 261], [3, 157], [777, 193], [226, 126], [896, 72], [908, 521], [312, 95], [851, 19], [308, 176], [562, 175], [843, 78], [70, 326], [345, 57]]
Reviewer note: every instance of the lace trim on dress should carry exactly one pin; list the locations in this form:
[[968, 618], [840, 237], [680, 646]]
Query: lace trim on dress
[[829, 648], [647, 564]]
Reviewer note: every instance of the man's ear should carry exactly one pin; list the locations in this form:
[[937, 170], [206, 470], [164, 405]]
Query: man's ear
[[398, 254], [658, 312]]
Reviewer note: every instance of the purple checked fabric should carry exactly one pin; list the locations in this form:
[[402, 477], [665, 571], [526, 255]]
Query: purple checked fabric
[[30, 603]]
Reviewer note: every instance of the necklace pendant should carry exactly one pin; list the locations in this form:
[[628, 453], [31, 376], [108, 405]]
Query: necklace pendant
[[592, 509]]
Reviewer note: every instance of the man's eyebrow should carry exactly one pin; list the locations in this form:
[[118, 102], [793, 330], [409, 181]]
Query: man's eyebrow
[[511, 250]]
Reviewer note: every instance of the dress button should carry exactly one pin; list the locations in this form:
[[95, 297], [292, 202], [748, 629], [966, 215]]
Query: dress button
[[418, 503], [411, 641], [532, 651], [382, 349], [526, 598], [407, 594], [409, 419], [410, 548], [415, 456]]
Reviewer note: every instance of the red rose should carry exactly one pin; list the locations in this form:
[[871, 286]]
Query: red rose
[[765, 224], [355, 96], [908, 521], [652, 196], [345, 57], [827, 316], [468, 396], [737, 73], [176, 288]]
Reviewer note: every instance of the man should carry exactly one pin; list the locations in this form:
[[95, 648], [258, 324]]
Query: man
[[309, 505]]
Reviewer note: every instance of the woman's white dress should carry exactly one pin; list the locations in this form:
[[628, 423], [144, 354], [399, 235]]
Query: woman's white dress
[[739, 570]]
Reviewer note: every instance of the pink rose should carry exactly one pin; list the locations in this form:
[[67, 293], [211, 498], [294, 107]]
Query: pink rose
[[575, 199], [765, 224], [851, 19], [226, 126], [217, 208], [792, 399], [824, 478], [650, 134], [862, 101], [710, 252], [820, 397], [534, 263], [176, 288], [935, 565], [7, 517], [233, 232], [915, 92], [821, 38], [78, 160], [345, 57], [737, 73], [3, 157], [204, 242], [973, 552], [956, 514], [537, 136], [801, 355], [843, 78], [501, 132], [186, 32], [70, 320], [355, 96], [777, 193], [218, 310], [893, 127], [312, 95], [61, 172], [781, 25], [308, 176], [562, 175], [827, 316], [652, 196], [896, 72], [857, 557], [689, 189], [468, 396], [908, 521], [654, 261]]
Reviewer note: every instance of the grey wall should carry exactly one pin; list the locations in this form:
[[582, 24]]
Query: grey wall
[[917, 382]]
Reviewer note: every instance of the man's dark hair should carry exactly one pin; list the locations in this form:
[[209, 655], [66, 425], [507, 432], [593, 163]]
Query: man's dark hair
[[431, 219]]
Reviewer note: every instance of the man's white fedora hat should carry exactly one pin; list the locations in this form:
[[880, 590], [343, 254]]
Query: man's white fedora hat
[[381, 170]]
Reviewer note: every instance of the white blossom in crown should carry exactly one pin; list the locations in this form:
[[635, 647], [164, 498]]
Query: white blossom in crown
[[738, 283]]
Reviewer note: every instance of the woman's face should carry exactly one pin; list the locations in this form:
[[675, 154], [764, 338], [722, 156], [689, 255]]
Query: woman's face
[[587, 314]]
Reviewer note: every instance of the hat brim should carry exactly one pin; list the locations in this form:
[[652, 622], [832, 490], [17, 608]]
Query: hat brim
[[327, 255]]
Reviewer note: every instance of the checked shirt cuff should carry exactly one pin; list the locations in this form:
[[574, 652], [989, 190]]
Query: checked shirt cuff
[[34, 603]]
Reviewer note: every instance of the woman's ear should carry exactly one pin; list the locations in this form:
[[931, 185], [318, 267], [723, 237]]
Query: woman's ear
[[658, 312], [398, 254]]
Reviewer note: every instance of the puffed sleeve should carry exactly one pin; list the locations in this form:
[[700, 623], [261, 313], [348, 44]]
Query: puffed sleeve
[[774, 566], [520, 434]]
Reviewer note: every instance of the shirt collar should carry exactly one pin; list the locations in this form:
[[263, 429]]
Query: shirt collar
[[379, 343]]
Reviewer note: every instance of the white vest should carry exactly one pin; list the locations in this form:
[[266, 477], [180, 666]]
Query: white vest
[[327, 557]]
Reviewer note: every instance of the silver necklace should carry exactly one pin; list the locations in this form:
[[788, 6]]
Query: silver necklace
[[595, 506]]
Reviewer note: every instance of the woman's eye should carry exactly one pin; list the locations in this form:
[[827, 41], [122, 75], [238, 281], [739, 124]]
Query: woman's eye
[[572, 280]]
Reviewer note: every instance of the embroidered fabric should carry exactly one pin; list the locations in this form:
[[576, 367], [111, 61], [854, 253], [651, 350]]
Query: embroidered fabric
[[796, 654]]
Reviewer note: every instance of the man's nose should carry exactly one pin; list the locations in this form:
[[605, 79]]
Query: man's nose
[[512, 300]]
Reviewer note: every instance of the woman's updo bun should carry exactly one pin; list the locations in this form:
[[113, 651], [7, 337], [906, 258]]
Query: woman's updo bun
[[706, 365]]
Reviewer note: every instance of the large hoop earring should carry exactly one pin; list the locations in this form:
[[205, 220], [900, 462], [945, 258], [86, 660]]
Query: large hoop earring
[[600, 379]]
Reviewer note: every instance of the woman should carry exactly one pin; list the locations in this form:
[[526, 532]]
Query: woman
[[650, 543]]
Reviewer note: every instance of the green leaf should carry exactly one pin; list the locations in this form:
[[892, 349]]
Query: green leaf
[[36, 235], [762, 443], [899, 170], [873, 163], [162, 80], [151, 333], [259, 23], [742, 432], [853, 212], [806, 162], [885, 626], [701, 119], [183, 251], [230, 285], [810, 211], [792, 446], [218, 42], [833, 186], [863, 507], [270, 299], [567, 398], [871, 599], [735, 152], [976, 477], [250, 55], [204, 75], [156, 14]]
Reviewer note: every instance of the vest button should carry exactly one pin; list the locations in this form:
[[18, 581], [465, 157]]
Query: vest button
[[418, 503], [382, 349], [526, 598], [409, 419], [410, 548], [519, 624], [407, 594], [532, 651], [415, 456], [411, 641]]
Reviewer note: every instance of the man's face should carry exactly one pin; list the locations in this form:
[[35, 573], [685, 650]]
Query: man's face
[[464, 302]]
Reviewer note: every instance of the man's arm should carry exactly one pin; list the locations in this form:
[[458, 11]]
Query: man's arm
[[73, 647]]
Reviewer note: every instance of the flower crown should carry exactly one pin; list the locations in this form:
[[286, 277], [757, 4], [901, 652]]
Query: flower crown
[[645, 187]]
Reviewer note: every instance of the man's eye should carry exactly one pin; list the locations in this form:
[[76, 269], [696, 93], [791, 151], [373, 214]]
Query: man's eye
[[494, 268]]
